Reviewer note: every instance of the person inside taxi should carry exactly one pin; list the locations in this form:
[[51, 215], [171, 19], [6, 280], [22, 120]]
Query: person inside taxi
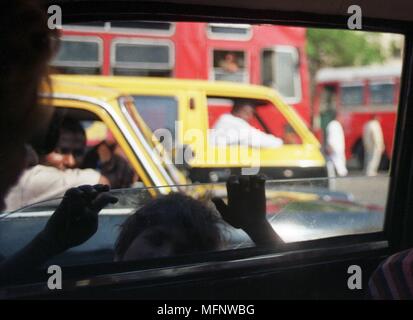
[[63, 168], [55, 171], [233, 129], [70, 155]]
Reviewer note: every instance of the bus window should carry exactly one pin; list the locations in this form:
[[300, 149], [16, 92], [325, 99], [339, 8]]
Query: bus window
[[229, 31], [352, 95], [144, 26], [82, 25], [229, 66], [79, 55], [147, 27], [280, 71], [381, 93], [158, 112], [140, 58]]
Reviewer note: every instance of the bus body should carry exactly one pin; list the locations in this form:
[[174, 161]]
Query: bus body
[[356, 94], [273, 56]]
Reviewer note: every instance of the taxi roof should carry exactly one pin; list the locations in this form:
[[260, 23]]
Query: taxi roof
[[74, 88], [126, 83]]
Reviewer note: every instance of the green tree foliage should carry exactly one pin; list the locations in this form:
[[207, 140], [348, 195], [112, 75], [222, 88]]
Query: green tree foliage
[[341, 48]]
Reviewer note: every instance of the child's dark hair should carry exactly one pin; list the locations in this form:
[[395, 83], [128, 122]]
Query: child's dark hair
[[199, 223]]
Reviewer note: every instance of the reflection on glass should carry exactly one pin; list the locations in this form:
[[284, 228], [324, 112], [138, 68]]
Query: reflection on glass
[[298, 210]]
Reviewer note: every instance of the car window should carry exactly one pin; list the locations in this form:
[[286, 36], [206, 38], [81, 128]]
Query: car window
[[267, 118], [158, 112], [298, 211], [322, 182]]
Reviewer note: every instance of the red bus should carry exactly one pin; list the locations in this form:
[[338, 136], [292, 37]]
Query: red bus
[[273, 56], [355, 94]]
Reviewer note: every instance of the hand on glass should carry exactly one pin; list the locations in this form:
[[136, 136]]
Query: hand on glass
[[246, 209], [76, 218]]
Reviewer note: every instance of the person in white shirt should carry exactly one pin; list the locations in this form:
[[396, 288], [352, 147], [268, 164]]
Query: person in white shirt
[[373, 143], [335, 146], [40, 183], [48, 176], [233, 129]]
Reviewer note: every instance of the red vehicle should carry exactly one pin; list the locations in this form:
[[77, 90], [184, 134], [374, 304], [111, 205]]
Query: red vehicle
[[273, 56], [356, 94]]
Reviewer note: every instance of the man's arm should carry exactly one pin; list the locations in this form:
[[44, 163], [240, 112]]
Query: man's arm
[[256, 138]]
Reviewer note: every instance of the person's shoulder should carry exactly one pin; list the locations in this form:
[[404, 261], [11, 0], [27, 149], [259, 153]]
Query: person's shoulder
[[226, 119], [332, 124], [40, 179], [76, 177], [42, 171]]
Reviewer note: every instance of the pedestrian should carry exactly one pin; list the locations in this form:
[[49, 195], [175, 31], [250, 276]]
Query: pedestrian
[[373, 146], [335, 146]]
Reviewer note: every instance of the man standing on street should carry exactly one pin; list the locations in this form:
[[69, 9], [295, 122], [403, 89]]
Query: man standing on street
[[335, 146], [373, 146]]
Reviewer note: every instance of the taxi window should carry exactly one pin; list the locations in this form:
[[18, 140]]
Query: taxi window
[[263, 110], [86, 152], [159, 112]]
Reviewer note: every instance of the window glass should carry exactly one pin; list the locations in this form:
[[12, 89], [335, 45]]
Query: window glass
[[158, 112], [144, 25], [86, 152], [229, 66], [280, 70], [381, 93], [143, 59], [319, 185], [352, 95], [93, 24], [229, 31], [78, 56], [297, 211], [278, 127]]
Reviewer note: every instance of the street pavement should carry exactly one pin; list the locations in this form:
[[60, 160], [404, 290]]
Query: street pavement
[[367, 190]]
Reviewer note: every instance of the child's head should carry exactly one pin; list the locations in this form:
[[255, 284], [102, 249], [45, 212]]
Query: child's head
[[170, 225]]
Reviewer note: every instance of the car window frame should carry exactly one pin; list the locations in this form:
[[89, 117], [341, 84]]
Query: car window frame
[[399, 208]]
